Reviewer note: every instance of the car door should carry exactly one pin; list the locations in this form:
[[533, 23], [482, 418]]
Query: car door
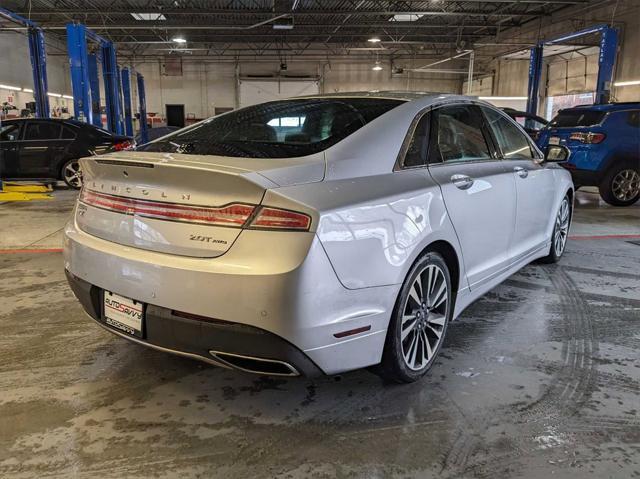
[[38, 147], [478, 191], [9, 136], [535, 190]]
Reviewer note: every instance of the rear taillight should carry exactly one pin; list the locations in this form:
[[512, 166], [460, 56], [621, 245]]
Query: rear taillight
[[234, 215], [274, 218], [588, 138], [229, 215], [123, 145]]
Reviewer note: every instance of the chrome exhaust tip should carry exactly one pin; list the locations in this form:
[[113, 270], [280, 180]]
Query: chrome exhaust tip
[[250, 364]]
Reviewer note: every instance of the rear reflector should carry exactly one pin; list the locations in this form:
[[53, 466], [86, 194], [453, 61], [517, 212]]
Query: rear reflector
[[274, 218], [230, 215]]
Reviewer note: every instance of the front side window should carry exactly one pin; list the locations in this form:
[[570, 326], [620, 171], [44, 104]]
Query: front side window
[[513, 143], [42, 131], [9, 132], [457, 135], [278, 129]]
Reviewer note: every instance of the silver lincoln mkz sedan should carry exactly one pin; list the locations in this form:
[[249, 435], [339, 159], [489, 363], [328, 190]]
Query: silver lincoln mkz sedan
[[315, 235]]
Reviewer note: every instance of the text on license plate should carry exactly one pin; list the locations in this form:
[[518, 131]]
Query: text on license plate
[[123, 313], [554, 140]]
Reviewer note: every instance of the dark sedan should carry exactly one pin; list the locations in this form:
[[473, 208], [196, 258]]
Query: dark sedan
[[49, 149]]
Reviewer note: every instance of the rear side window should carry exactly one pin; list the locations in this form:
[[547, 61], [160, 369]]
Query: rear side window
[[569, 118], [9, 132], [416, 154], [279, 129], [68, 133], [457, 135], [513, 143], [42, 131]]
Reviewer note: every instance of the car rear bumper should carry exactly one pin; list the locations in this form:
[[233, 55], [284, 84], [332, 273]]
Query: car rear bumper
[[584, 177], [246, 303], [218, 342]]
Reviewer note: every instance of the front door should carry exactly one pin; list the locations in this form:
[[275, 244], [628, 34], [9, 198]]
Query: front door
[[534, 184], [479, 193], [175, 115]]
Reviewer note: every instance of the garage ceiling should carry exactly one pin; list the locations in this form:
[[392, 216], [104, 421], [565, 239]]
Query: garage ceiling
[[288, 28]]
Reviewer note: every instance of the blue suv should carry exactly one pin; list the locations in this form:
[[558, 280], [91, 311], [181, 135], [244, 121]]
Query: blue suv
[[605, 148]]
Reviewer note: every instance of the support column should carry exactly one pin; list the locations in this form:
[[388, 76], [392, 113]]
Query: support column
[[39, 67], [111, 88], [78, 62], [143, 109], [126, 96], [606, 63], [535, 72], [95, 90]]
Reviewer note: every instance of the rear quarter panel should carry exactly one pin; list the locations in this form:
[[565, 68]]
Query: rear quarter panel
[[373, 228]]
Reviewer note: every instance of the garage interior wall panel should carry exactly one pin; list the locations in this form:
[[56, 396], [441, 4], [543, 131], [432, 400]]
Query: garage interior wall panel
[[15, 70], [479, 87], [253, 92]]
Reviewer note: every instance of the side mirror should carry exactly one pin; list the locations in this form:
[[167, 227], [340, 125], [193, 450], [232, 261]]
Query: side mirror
[[557, 154]]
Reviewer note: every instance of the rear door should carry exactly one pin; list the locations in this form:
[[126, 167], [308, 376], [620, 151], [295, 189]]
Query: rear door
[[9, 141], [534, 183], [37, 149], [479, 192]]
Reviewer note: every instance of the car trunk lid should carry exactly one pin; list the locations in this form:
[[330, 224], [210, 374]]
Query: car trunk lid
[[187, 205]]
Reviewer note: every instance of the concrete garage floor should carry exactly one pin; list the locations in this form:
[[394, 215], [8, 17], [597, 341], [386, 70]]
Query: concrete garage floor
[[540, 377]]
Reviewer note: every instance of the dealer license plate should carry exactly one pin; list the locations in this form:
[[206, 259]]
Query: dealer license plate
[[123, 313], [554, 140]]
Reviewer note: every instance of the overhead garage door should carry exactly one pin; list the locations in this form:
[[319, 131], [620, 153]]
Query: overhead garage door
[[259, 91]]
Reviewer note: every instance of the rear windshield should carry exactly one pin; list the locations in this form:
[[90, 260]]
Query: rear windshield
[[577, 118], [279, 129]]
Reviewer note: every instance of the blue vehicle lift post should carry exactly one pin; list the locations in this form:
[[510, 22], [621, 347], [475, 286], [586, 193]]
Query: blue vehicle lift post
[[143, 108], [95, 90], [38, 55], [606, 63], [126, 96], [77, 35]]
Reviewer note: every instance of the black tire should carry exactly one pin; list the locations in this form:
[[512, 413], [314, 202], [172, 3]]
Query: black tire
[[555, 252], [394, 367], [620, 185], [71, 182]]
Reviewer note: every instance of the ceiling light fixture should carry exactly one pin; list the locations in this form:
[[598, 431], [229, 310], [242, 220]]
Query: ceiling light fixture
[[69, 97], [377, 67], [9, 87], [27, 90], [179, 40], [374, 40], [627, 83], [56, 95]]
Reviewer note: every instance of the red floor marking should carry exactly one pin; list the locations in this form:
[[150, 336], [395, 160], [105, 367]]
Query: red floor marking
[[20, 251], [597, 237]]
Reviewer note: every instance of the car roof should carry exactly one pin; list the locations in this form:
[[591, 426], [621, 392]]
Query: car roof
[[606, 106], [384, 94]]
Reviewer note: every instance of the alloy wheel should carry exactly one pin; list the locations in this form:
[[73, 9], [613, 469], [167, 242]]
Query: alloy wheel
[[72, 174], [562, 227], [424, 317], [626, 185]]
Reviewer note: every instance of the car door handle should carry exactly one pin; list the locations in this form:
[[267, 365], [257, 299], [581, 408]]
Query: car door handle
[[522, 172], [462, 182]]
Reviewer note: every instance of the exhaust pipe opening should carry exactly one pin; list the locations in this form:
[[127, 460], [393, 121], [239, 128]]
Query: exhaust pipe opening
[[272, 367]]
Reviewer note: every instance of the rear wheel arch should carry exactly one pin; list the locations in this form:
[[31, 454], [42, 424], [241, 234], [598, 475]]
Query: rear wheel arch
[[450, 256]]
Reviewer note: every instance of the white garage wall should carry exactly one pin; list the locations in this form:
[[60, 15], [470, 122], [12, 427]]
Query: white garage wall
[[15, 70], [206, 86]]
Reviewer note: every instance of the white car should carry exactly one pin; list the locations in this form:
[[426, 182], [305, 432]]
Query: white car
[[315, 235]]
